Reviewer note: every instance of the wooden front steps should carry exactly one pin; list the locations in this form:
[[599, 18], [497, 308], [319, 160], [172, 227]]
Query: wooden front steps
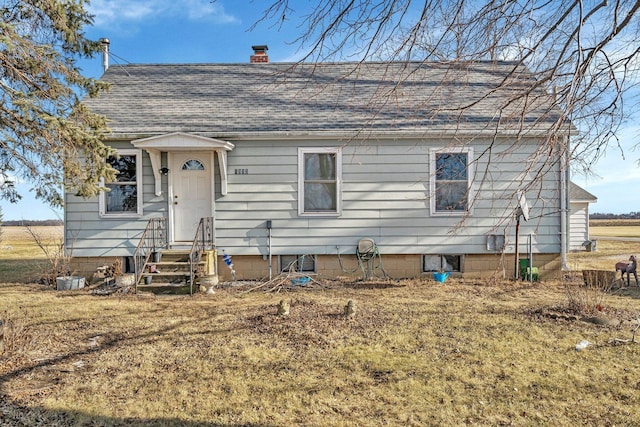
[[171, 271]]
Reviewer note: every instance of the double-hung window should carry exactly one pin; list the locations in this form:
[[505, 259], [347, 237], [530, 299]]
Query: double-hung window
[[124, 195], [319, 181], [450, 181]]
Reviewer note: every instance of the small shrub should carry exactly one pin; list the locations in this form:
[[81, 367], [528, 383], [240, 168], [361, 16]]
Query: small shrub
[[57, 259], [587, 296]]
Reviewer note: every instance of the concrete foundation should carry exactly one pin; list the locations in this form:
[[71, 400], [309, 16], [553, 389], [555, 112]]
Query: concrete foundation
[[396, 266]]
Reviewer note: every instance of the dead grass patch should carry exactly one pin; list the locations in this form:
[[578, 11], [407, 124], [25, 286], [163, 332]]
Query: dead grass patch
[[418, 353]]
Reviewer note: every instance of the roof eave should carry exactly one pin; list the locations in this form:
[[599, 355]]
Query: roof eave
[[361, 133]]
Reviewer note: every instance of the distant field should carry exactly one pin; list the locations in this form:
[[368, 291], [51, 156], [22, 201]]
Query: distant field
[[613, 222], [615, 228], [619, 231], [17, 243], [20, 257]]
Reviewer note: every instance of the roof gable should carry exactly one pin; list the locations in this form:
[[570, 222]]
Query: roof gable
[[180, 141]]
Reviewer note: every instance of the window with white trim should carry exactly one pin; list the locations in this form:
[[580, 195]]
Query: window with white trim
[[450, 181], [319, 181], [123, 198]]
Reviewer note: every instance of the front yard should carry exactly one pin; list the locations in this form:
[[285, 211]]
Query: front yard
[[415, 353]]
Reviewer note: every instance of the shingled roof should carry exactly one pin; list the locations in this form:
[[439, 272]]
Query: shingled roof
[[342, 99], [579, 194]]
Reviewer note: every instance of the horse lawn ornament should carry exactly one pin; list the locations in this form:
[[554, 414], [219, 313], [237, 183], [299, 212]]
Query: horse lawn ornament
[[628, 268]]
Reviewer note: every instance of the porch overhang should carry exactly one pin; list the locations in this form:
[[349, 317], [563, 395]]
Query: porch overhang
[[180, 141]]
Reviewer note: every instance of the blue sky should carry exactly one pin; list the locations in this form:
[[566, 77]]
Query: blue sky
[[186, 31]]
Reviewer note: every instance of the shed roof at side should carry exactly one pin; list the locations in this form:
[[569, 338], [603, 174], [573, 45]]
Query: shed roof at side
[[579, 194], [342, 99]]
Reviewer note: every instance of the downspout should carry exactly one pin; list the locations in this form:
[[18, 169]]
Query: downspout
[[564, 194], [269, 225]]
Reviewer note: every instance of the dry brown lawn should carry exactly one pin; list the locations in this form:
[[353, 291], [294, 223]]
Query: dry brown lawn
[[485, 352], [415, 353]]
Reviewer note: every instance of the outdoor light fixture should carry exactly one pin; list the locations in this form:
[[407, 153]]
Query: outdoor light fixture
[[164, 171]]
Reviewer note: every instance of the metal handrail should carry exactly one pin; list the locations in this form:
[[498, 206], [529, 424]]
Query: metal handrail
[[205, 239], [153, 238]]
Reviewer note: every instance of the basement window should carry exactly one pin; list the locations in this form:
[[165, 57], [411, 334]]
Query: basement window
[[441, 263], [299, 263]]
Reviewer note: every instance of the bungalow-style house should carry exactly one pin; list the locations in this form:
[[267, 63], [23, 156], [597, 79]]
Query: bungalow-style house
[[579, 200], [276, 161]]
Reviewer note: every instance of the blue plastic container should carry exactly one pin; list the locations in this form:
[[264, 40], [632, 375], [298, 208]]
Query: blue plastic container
[[440, 277], [300, 280]]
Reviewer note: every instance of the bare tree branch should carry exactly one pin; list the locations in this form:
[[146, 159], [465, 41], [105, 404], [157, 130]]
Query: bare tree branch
[[584, 55]]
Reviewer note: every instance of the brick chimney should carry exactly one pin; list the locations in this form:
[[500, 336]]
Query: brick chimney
[[259, 55]]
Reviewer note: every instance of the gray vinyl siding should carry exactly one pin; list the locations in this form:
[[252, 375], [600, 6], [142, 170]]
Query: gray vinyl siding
[[385, 196], [89, 234]]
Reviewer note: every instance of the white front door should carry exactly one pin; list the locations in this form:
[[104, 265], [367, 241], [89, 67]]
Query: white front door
[[191, 192]]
